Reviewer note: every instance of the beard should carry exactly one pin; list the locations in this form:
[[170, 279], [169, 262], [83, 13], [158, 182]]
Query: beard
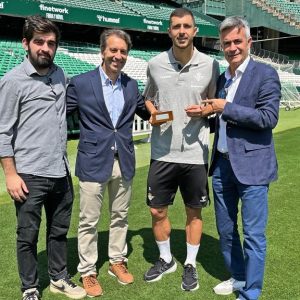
[[40, 61]]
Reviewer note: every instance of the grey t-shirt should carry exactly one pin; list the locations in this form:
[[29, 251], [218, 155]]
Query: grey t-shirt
[[184, 140]]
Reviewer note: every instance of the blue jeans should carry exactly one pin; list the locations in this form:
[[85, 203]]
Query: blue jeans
[[56, 195], [245, 262]]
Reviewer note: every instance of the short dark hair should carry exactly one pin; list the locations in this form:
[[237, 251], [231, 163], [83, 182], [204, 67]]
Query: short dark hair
[[39, 24], [181, 12], [117, 32]]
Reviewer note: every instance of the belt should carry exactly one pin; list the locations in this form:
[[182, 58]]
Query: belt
[[223, 155]]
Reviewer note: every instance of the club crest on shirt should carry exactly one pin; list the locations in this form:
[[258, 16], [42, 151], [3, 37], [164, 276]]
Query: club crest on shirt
[[198, 76], [203, 199]]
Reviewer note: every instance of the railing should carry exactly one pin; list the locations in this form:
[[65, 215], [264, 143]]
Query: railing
[[283, 61], [140, 127], [290, 97]]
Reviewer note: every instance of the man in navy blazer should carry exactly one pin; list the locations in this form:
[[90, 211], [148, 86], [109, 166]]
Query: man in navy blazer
[[243, 158], [106, 100]]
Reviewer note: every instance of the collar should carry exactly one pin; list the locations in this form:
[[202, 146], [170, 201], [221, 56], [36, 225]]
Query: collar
[[239, 71], [195, 59], [30, 69], [105, 79]]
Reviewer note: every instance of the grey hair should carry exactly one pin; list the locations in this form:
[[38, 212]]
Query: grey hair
[[235, 22], [116, 32]]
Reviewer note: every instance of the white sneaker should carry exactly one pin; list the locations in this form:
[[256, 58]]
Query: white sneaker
[[68, 288], [229, 286]]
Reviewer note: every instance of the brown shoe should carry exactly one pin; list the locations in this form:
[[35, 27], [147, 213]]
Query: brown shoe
[[120, 271], [92, 286]]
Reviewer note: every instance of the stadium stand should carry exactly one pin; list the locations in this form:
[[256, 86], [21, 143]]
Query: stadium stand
[[78, 56], [71, 65], [212, 7], [9, 57], [147, 9], [288, 12], [281, 15]]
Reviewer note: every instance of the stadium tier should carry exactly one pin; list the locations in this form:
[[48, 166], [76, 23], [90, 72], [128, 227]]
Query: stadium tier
[[126, 7], [143, 17], [288, 13], [76, 58], [153, 10], [281, 15], [288, 8], [71, 65]]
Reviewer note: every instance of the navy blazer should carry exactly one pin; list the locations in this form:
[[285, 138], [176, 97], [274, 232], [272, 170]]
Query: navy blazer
[[98, 136], [250, 119]]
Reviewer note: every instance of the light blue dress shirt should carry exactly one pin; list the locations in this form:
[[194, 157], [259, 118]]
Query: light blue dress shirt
[[113, 96]]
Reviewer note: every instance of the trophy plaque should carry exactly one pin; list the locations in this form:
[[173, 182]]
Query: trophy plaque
[[161, 116]]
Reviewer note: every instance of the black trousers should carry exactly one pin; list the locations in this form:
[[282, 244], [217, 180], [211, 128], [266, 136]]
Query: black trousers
[[56, 195]]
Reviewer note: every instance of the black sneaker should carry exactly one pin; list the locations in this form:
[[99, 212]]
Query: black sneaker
[[31, 294], [159, 269], [189, 278]]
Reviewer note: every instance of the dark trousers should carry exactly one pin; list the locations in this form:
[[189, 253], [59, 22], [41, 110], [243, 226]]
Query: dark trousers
[[56, 195]]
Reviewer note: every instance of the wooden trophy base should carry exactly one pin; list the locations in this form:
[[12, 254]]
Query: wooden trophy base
[[162, 117]]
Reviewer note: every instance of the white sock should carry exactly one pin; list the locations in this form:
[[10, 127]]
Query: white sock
[[165, 250], [191, 254]]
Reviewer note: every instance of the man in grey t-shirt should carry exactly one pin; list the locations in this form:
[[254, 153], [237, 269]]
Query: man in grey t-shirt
[[177, 79], [33, 136]]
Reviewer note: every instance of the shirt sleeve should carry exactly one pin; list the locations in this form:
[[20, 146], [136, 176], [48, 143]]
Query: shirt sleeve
[[9, 115], [150, 88]]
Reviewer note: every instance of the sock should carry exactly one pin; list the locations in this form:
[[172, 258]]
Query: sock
[[165, 250], [191, 254]]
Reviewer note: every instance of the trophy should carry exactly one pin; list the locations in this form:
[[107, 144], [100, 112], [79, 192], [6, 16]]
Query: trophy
[[161, 116]]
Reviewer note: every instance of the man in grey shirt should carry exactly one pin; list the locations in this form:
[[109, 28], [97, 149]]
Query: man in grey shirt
[[33, 135], [177, 79]]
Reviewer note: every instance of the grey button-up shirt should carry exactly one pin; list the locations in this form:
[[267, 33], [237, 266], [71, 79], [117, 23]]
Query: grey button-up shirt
[[33, 126]]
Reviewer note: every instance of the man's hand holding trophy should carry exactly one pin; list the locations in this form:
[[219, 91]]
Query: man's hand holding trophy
[[158, 116]]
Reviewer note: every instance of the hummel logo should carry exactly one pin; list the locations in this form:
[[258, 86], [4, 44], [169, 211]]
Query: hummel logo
[[203, 199], [150, 196]]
